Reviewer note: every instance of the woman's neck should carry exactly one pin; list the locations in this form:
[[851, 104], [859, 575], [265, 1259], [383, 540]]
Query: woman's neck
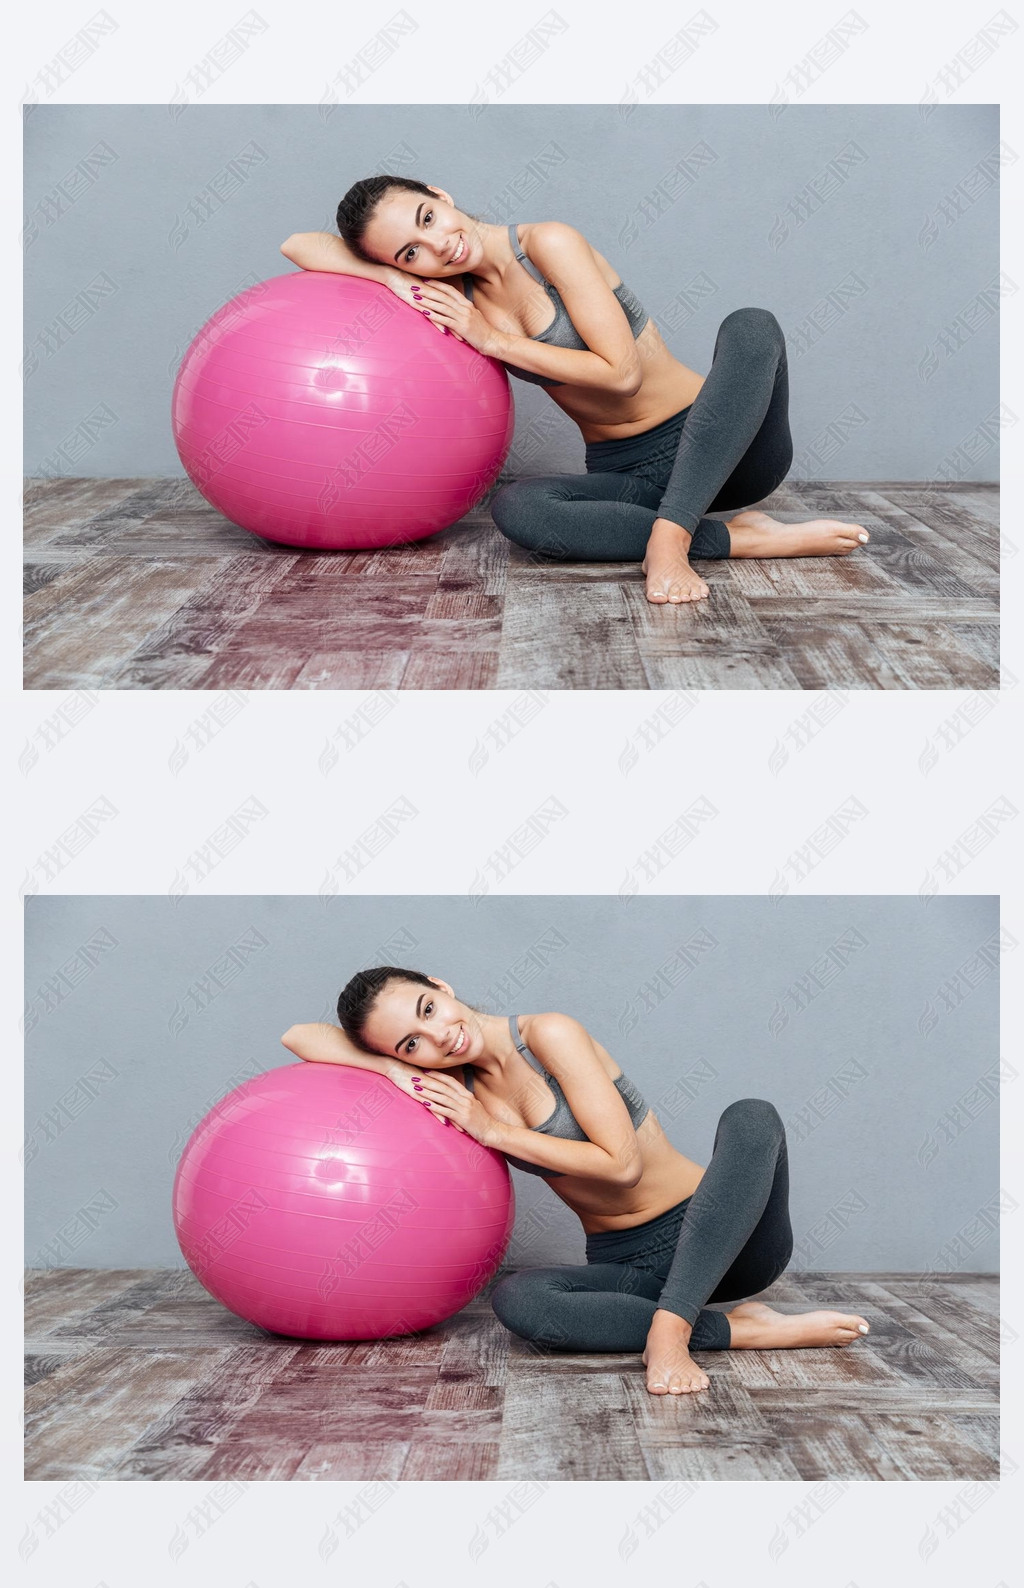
[[498, 255], [498, 1046]]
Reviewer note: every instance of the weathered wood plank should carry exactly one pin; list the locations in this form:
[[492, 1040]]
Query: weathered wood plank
[[967, 557], [559, 1427], [52, 507], [56, 1298], [437, 1460], [184, 1438], [897, 655], [924, 1347], [867, 1399], [454, 669], [363, 1459], [342, 669], [172, 672], [923, 1448], [559, 637], [341, 631], [93, 616], [81, 1417]]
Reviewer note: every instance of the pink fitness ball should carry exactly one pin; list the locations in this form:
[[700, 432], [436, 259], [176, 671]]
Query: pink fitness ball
[[319, 1201], [321, 411]]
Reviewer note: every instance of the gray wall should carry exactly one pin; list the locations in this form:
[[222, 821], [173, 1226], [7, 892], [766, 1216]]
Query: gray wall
[[871, 232], [871, 1023]]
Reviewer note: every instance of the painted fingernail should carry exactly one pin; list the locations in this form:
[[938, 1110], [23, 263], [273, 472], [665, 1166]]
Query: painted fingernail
[[417, 1086], [862, 538], [863, 1328], [446, 331]]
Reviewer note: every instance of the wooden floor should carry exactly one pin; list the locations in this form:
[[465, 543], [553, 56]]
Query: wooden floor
[[139, 584], [139, 1374]]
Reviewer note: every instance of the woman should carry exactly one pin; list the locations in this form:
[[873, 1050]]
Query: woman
[[664, 1236], [664, 445]]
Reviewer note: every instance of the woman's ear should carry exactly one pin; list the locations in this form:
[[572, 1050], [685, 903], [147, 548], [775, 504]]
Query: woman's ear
[[446, 198], [443, 985]]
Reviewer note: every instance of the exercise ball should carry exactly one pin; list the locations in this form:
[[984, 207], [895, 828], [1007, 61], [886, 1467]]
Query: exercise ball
[[319, 1201], [321, 411]]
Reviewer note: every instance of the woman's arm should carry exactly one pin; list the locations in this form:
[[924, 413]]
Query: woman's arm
[[565, 1049], [325, 1044], [325, 251]]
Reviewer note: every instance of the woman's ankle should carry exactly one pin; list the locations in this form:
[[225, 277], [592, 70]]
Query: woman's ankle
[[666, 528], [665, 1318]]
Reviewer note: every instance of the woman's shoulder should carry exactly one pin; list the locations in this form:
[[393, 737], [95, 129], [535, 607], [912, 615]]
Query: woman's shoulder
[[551, 1035], [553, 239]]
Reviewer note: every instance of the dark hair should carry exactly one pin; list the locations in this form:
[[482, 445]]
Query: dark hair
[[358, 996], [357, 207]]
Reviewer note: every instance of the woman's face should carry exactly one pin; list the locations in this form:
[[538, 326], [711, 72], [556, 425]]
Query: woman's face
[[425, 1026], [421, 235]]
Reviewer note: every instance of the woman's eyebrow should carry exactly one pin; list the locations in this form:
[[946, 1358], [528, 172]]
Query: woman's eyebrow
[[409, 245], [406, 1039]]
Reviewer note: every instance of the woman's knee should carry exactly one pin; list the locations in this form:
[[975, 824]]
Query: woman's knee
[[756, 1116], [522, 1303], [522, 511], [757, 325]]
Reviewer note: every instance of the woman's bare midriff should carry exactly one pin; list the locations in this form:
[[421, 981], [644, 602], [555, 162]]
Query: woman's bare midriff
[[524, 308], [667, 1178], [667, 387]]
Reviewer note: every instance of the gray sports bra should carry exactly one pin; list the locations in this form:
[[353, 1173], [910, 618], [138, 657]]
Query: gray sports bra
[[561, 332], [562, 1121]]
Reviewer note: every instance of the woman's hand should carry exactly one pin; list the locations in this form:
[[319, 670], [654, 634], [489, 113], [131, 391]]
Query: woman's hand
[[412, 1081], [450, 1100], [449, 307], [409, 289]]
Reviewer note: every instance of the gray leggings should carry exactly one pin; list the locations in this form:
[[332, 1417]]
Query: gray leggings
[[730, 1239], [729, 449]]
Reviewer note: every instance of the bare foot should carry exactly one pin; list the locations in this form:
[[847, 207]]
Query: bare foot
[[669, 575], [670, 1368], [755, 534], [757, 1327]]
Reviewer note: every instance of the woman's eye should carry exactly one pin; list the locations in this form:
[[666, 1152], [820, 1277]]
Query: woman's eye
[[428, 1008], [411, 1044], [409, 256]]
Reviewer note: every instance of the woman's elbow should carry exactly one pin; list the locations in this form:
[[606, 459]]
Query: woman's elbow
[[629, 381], [290, 1038]]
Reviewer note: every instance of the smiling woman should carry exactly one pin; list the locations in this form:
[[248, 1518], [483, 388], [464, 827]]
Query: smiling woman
[[665, 1237], [666, 447]]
